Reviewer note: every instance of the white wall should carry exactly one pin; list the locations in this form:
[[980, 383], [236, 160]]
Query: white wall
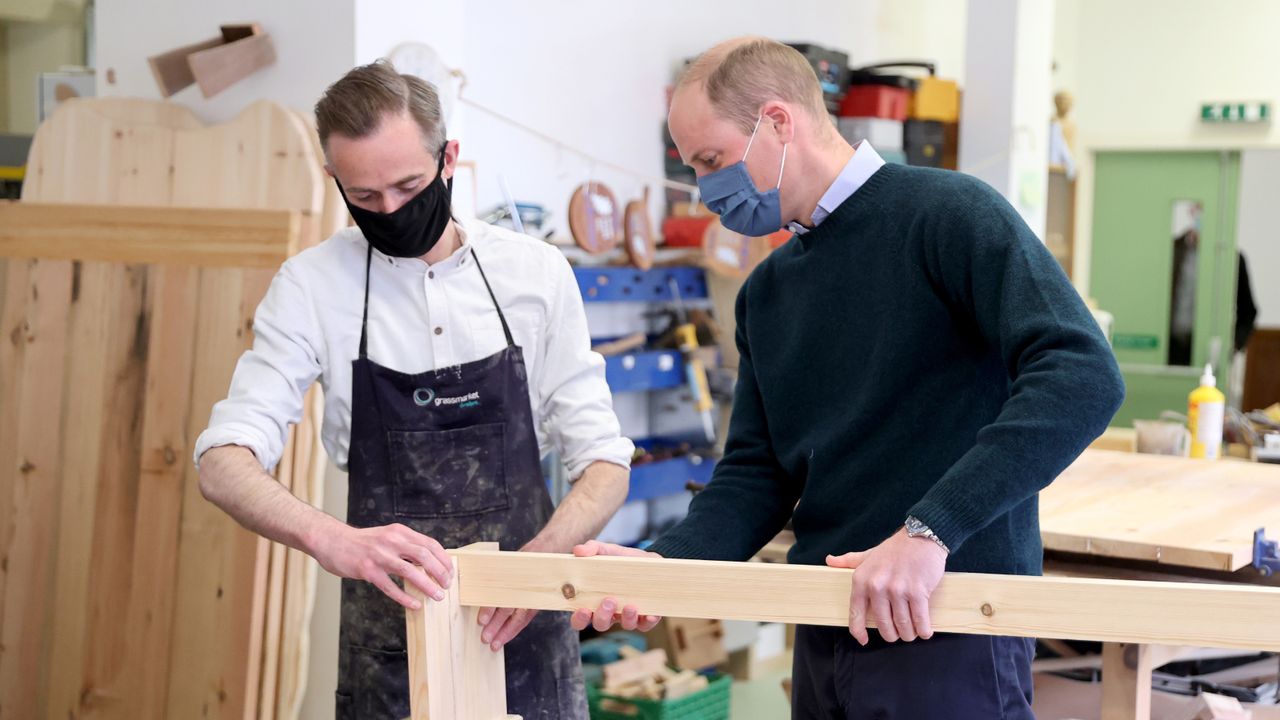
[[1140, 69], [595, 75], [314, 45], [1258, 229], [1004, 124]]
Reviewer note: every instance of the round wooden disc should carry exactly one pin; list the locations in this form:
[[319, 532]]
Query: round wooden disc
[[594, 218], [640, 243]]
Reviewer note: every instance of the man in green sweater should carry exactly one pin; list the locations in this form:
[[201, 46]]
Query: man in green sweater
[[915, 368]]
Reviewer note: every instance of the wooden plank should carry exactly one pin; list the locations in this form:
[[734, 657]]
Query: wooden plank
[[13, 322], [213, 607], [261, 159], [452, 673], [1193, 513], [166, 451], [115, 513], [27, 547], [217, 68], [640, 667], [300, 568], [131, 112], [186, 236], [1206, 615], [171, 69], [274, 604], [333, 214], [102, 324]]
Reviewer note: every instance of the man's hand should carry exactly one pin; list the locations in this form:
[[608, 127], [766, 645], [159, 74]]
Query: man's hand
[[892, 586], [376, 554], [629, 618]]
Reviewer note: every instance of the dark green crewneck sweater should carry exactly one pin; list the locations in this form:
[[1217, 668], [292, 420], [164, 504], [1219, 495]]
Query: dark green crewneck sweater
[[918, 353]]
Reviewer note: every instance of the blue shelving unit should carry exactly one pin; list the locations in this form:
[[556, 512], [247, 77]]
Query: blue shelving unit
[[632, 285], [668, 477], [643, 371], [650, 371]]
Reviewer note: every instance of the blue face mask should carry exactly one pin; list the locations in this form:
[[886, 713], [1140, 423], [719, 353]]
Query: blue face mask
[[730, 193]]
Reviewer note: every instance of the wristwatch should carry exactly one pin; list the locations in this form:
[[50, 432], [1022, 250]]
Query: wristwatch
[[915, 528]]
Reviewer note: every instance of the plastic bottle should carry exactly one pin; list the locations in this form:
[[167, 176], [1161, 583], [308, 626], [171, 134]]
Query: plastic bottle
[[1205, 408]]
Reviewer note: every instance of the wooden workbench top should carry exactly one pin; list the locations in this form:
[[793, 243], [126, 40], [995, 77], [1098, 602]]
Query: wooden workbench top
[[1190, 513]]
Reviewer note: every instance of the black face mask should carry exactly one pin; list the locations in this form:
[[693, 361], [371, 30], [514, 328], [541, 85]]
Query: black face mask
[[415, 227]]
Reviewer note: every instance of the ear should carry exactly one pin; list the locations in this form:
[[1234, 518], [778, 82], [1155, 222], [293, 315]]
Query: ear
[[451, 150], [780, 117]]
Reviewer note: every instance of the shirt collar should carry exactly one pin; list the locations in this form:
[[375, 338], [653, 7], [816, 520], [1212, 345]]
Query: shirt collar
[[459, 258], [864, 163]]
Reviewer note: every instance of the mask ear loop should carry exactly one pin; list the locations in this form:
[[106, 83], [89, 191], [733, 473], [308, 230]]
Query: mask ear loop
[[753, 136], [783, 166]]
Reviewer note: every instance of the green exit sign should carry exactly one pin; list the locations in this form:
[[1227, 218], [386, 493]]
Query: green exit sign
[[1243, 112]]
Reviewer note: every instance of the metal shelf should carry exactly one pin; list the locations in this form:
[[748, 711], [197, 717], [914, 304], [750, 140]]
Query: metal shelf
[[636, 372], [611, 284], [668, 477]]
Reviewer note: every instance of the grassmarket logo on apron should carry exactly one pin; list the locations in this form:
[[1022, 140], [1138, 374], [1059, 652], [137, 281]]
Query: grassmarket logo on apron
[[422, 397]]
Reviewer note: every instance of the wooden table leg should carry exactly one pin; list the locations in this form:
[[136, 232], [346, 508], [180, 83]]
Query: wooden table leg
[[452, 674], [1126, 678]]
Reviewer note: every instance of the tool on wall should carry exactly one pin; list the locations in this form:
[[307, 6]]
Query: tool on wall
[[687, 335]]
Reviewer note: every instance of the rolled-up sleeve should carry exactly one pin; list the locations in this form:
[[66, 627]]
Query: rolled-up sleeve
[[272, 377], [576, 406]]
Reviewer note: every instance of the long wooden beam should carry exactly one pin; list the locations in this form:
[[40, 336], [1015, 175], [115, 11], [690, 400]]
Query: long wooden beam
[[221, 237], [1163, 613]]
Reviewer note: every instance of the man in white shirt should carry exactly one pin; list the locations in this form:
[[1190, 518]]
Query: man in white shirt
[[451, 357]]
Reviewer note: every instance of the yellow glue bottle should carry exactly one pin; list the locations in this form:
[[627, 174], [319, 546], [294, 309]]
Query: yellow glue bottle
[[1205, 408]]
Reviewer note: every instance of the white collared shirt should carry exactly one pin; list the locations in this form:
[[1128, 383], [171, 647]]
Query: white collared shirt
[[420, 318], [864, 163]]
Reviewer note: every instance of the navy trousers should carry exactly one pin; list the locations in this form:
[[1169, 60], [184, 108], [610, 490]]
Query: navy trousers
[[948, 677]]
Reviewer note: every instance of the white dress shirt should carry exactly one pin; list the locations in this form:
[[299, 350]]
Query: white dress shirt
[[864, 163], [420, 318]]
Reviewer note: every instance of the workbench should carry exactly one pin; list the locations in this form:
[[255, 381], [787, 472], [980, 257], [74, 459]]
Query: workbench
[[1119, 515]]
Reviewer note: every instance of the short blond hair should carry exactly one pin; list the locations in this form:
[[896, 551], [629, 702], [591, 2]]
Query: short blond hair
[[743, 74], [355, 105]]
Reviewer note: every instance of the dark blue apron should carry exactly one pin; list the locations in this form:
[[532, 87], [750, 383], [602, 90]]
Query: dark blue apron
[[452, 454]]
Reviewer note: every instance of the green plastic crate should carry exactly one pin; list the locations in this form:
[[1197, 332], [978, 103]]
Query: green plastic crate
[[710, 703]]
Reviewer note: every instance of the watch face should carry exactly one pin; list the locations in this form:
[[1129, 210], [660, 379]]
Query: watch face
[[914, 526]]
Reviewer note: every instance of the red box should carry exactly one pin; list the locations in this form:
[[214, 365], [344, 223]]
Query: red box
[[685, 230], [879, 101]]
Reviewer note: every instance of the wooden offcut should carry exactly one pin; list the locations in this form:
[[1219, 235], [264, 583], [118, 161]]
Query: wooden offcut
[[218, 68], [171, 69], [214, 64]]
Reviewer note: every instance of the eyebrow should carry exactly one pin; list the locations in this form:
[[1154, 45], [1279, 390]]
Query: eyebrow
[[401, 181]]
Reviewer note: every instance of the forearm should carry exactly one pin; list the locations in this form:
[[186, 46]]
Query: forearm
[[592, 501], [232, 479]]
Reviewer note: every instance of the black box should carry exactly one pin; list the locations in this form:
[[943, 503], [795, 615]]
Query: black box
[[924, 142], [832, 67]]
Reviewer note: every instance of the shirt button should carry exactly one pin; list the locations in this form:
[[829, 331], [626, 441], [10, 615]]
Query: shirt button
[[439, 331], [431, 274]]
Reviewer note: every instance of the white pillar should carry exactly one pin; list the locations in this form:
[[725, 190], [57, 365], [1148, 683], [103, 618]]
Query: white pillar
[[1007, 104]]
